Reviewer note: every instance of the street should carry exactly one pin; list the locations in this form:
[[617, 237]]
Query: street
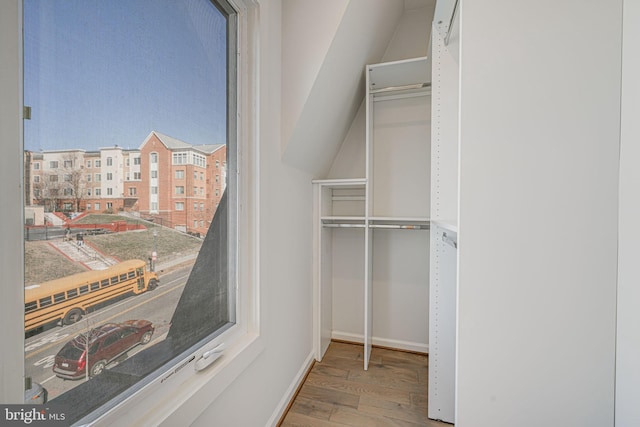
[[156, 306]]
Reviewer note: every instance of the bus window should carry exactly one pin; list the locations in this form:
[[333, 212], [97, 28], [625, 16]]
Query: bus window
[[123, 277], [58, 297], [84, 289], [45, 301], [132, 274], [104, 283], [95, 286], [30, 306], [140, 271], [114, 280], [72, 293]]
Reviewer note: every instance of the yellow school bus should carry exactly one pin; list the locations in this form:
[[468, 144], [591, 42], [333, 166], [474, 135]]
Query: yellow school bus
[[68, 298]]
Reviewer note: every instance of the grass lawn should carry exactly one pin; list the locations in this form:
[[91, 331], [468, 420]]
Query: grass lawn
[[43, 262]]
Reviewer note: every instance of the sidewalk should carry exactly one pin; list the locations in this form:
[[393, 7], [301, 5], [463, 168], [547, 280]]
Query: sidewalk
[[83, 254]]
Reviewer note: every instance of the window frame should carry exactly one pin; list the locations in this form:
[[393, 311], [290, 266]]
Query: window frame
[[186, 394]]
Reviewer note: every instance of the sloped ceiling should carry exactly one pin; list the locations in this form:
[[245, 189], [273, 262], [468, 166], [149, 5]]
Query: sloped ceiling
[[324, 50]]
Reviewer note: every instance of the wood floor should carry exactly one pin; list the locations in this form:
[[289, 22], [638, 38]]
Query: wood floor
[[338, 392]]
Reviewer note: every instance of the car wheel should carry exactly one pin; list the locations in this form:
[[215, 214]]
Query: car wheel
[[72, 316], [146, 337], [97, 368]]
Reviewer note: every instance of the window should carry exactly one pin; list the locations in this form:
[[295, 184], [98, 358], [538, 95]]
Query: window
[[195, 223], [97, 205], [68, 192], [109, 191], [89, 205], [98, 177], [180, 174], [36, 178], [202, 206], [88, 178], [154, 174], [137, 176], [53, 178], [180, 189], [179, 158], [98, 192], [53, 164], [133, 191], [88, 163], [89, 194], [109, 161], [109, 176], [136, 160], [98, 163], [217, 164], [68, 164], [195, 175], [127, 162], [36, 166], [67, 177], [179, 206], [109, 204], [188, 326]]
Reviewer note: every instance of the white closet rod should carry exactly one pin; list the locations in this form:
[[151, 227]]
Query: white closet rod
[[343, 225], [400, 227]]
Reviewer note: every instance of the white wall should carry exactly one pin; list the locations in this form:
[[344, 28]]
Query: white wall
[[538, 212], [11, 247], [628, 344]]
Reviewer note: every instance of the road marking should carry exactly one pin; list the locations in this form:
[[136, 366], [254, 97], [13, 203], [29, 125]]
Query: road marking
[[156, 296], [50, 378]]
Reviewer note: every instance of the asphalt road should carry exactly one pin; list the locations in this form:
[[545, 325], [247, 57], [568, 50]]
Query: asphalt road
[[156, 306]]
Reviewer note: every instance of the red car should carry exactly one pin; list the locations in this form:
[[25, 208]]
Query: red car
[[105, 343]]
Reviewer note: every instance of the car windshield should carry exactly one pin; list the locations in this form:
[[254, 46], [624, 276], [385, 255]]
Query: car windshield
[[70, 351]]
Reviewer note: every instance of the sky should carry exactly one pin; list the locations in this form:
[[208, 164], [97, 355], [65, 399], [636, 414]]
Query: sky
[[99, 73]]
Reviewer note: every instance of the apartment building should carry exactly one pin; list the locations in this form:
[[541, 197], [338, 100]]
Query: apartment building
[[177, 184], [182, 184]]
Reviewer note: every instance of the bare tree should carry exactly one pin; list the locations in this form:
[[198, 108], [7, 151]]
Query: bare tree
[[47, 192], [74, 181]]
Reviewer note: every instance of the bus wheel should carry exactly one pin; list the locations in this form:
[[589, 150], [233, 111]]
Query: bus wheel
[[72, 316], [153, 283]]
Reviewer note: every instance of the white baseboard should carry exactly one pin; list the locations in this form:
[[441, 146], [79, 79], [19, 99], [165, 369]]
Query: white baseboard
[[382, 342], [289, 395]]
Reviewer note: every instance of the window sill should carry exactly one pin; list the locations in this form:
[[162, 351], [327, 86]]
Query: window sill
[[179, 396]]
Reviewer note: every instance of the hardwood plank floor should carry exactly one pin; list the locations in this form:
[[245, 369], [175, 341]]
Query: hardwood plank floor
[[338, 392]]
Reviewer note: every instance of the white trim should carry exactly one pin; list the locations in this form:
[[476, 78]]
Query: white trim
[[381, 342], [289, 395]]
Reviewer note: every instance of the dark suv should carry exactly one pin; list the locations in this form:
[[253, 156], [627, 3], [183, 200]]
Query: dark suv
[[105, 344]]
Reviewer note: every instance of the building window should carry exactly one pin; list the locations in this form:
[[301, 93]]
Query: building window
[[137, 176], [53, 164], [195, 175], [217, 164], [88, 206], [88, 164], [36, 178], [202, 206], [88, 192], [179, 158], [68, 164], [154, 174], [67, 177], [67, 192], [217, 178], [98, 192], [53, 178], [205, 29], [128, 177], [36, 166], [195, 223], [133, 191], [180, 174], [201, 176], [88, 178], [136, 160], [195, 206], [127, 161], [98, 163]]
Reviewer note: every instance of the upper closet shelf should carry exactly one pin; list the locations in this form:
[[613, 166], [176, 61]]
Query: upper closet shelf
[[341, 183], [405, 76]]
